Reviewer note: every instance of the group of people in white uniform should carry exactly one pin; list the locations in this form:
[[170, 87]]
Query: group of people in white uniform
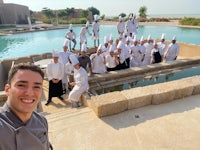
[[124, 52], [71, 35], [130, 52], [65, 64]]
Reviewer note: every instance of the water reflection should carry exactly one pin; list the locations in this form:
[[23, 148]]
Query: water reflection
[[154, 79]]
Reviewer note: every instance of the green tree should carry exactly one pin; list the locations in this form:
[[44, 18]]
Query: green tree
[[62, 13], [70, 11], [143, 12], [123, 15], [94, 11], [102, 17], [48, 12], [84, 13]]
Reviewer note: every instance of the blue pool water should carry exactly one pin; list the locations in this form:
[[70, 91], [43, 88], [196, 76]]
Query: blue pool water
[[25, 44]]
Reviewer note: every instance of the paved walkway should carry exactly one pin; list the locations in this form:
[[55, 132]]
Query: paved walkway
[[169, 126]]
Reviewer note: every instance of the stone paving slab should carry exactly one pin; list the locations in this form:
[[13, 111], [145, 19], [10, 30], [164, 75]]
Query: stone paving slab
[[168, 126]]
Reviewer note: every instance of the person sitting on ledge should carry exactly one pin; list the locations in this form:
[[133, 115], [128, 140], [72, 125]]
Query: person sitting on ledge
[[80, 84]]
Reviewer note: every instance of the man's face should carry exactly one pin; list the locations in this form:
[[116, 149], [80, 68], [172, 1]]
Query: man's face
[[24, 92], [83, 53], [55, 59]]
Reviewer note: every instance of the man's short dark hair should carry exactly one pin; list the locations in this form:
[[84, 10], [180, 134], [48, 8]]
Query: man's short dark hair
[[24, 66]]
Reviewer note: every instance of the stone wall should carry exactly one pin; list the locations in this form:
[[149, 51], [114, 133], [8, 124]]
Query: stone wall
[[14, 13], [116, 102]]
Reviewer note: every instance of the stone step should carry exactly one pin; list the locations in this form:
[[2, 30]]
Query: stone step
[[65, 119], [66, 113]]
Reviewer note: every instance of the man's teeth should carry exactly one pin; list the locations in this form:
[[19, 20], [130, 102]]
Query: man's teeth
[[27, 101]]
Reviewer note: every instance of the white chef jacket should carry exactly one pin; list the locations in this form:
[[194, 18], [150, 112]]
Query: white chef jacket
[[120, 27], [55, 71], [147, 57], [98, 65], [70, 35], [95, 28], [172, 52], [81, 80], [83, 35], [162, 47]]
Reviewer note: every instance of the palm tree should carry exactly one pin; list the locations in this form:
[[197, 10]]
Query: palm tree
[[143, 12], [48, 13]]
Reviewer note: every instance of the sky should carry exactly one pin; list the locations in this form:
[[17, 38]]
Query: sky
[[115, 7]]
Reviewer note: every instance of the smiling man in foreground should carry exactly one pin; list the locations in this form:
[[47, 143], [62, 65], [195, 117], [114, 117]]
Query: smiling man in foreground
[[22, 128]]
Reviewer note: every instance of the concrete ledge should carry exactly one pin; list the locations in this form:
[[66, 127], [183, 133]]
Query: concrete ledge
[[109, 104], [195, 81], [137, 97], [161, 93], [116, 102]]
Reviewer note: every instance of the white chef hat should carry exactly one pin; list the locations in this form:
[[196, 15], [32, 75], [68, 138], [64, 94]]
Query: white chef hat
[[142, 39], [66, 43], [174, 37], [110, 37], [55, 53], [154, 42], [163, 36], [96, 17], [83, 48], [70, 27], [120, 18], [73, 59], [149, 37], [112, 48], [127, 39], [120, 45], [87, 24], [106, 39], [100, 47], [135, 38], [131, 16]]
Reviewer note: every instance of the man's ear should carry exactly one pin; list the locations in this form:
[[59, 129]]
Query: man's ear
[[7, 88]]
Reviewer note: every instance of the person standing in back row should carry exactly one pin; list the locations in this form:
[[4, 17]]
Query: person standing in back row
[[63, 58], [71, 36], [172, 51], [120, 26], [22, 128], [84, 59], [95, 30]]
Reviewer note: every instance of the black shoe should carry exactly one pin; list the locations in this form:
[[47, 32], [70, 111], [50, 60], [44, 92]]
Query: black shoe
[[47, 103], [62, 99]]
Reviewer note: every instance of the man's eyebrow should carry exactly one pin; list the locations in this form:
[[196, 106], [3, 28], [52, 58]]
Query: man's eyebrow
[[24, 81]]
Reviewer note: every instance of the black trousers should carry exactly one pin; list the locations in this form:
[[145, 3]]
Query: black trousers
[[55, 89]]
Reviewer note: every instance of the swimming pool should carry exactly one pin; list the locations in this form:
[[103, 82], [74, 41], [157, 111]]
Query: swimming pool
[[25, 44]]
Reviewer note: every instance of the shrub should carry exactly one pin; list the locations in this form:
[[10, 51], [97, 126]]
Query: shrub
[[190, 21]]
